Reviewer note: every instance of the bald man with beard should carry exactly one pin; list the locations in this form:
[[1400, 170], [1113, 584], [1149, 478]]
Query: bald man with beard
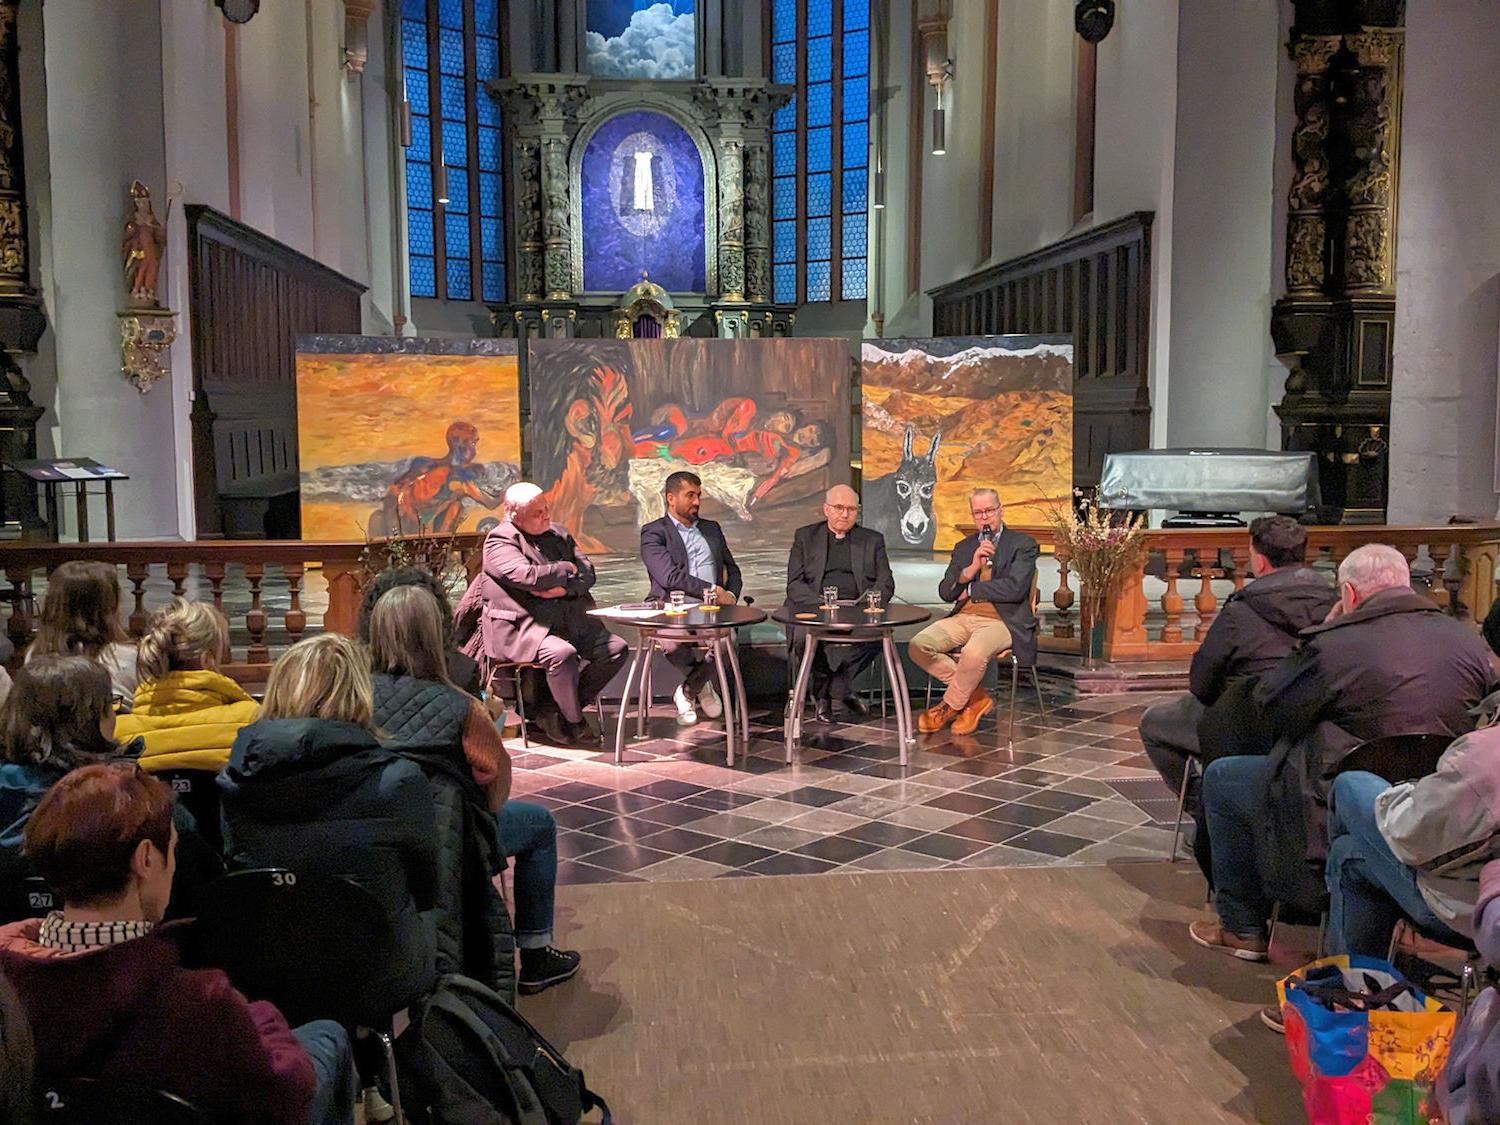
[[837, 552]]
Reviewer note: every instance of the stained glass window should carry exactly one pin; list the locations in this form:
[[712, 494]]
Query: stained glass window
[[820, 150], [450, 48]]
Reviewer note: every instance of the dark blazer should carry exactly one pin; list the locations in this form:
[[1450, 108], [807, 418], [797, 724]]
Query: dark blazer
[[667, 561], [514, 620], [1012, 572], [809, 558]]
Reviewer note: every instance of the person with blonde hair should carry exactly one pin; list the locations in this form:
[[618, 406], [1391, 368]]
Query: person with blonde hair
[[80, 616], [186, 711], [309, 787]]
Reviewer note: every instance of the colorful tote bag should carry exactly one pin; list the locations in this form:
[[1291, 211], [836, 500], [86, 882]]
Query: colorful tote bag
[[1365, 1044]]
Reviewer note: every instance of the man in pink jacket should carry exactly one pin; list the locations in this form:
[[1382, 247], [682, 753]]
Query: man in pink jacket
[[106, 993]]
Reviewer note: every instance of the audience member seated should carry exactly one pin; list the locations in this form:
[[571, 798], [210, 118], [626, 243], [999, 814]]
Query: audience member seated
[[1469, 1091], [186, 712], [106, 993], [58, 717], [1256, 627], [535, 585], [463, 670], [80, 616], [1387, 661], [416, 707], [17, 1058], [309, 787]]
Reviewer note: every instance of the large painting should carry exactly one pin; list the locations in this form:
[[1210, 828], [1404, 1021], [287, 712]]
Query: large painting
[[943, 417], [764, 423], [641, 39], [403, 436]]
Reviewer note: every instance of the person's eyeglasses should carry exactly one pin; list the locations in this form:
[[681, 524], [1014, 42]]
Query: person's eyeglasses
[[847, 509], [984, 511]]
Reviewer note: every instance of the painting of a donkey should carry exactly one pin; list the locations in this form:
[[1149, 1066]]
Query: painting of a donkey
[[899, 504]]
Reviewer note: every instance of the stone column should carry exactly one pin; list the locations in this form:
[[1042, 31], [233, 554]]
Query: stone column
[[557, 236], [757, 222], [1307, 199], [1372, 121], [731, 219], [528, 220]]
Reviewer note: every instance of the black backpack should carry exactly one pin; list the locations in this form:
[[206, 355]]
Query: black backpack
[[468, 1058]]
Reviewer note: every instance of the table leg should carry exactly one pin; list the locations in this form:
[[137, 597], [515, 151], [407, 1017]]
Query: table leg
[[903, 703], [82, 499], [643, 708], [109, 509], [54, 517], [798, 701], [739, 691], [726, 700], [630, 675]]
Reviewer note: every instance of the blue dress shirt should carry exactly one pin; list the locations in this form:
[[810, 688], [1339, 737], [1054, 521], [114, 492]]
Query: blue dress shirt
[[700, 555]]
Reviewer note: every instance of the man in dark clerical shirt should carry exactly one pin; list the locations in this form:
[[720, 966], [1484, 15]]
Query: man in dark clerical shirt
[[853, 559]]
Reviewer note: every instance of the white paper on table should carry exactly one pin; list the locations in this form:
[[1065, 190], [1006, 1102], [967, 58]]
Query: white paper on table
[[73, 472], [626, 613]]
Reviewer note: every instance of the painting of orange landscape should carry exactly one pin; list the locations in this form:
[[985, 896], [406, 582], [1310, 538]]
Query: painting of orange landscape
[[944, 416], [401, 436]]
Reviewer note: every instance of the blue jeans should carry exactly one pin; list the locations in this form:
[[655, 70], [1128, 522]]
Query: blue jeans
[[1234, 803], [1369, 889], [528, 834], [336, 1087]]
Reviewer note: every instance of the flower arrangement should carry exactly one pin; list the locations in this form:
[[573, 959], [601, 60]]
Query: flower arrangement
[[437, 553], [1100, 545]]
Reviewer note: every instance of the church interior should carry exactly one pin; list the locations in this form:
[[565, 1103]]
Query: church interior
[[850, 446]]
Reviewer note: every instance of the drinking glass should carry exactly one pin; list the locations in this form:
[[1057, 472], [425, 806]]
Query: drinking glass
[[678, 602], [710, 597], [830, 597], [872, 601]]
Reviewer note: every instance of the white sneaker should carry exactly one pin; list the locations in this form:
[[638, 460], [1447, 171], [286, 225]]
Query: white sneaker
[[376, 1107], [686, 716], [708, 702]]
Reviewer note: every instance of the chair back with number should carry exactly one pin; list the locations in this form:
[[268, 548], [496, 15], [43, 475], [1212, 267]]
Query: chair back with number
[[198, 792], [97, 1101], [1397, 757]]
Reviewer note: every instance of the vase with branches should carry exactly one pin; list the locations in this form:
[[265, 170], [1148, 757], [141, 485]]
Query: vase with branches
[[1101, 546]]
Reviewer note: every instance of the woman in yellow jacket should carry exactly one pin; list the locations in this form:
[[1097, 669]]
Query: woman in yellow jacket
[[186, 710]]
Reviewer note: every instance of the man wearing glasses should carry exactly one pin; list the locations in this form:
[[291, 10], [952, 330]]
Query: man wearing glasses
[[837, 554], [989, 581]]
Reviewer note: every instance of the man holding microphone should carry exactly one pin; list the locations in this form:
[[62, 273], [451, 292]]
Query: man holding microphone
[[989, 580]]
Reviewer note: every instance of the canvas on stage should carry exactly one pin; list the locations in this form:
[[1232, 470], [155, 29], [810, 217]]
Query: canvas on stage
[[401, 436], [764, 423], [942, 417]]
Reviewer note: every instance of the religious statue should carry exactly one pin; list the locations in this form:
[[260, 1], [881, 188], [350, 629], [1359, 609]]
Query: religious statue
[[141, 250], [644, 193]]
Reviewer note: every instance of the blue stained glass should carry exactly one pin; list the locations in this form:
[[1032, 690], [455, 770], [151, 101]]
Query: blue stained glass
[[489, 193], [820, 17], [451, 13], [820, 103], [486, 56], [854, 279], [784, 62], [786, 285], [489, 109], [856, 143], [414, 44], [856, 14], [451, 51], [419, 230], [783, 21], [819, 238], [414, 9], [418, 184], [458, 190], [819, 150], [490, 234], [857, 99], [423, 277], [854, 235], [493, 281], [820, 60], [856, 53], [453, 98], [456, 235], [487, 17], [489, 149], [785, 118], [819, 281], [417, 90], [784, 237], [784, 153], [820, 194], [855, 188], [460, 284], [784, 197], [455, 146], [421, 136]]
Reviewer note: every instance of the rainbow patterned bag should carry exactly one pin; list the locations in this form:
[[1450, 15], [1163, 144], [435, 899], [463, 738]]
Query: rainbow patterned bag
[[1365, 1044]]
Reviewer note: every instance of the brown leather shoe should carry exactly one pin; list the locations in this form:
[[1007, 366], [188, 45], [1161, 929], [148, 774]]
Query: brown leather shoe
[[935, 718], [976, 709]]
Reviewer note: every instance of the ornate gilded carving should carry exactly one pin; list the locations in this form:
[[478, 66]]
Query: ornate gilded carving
[[1367, 250], [144, 340], [556, 235], [529, 244], [731, 221], [1306, 237], [1370, 185], [14, 252]]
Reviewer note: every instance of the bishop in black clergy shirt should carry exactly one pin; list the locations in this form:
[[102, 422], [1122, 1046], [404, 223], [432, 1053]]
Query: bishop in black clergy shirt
[[836, 552]]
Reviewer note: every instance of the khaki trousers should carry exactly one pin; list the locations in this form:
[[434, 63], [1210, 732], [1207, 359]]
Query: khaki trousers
[[977, 637]]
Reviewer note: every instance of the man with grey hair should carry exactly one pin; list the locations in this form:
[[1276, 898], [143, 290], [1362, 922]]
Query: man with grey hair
[[535, 587], [1386, 661]]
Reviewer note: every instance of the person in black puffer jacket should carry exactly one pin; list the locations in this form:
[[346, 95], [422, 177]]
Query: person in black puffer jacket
[[463, 671], [430, 720], [309, 787]]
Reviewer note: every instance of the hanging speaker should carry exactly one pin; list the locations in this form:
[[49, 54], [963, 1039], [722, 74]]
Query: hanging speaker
[[1093, 18]]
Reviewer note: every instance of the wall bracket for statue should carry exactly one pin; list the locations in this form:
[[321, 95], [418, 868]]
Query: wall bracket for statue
[[145, 336]]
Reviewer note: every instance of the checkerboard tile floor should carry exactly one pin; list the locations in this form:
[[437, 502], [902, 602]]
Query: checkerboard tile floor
[[1075, 788]]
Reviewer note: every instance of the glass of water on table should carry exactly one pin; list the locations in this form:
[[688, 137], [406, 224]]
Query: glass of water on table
[[710, 597], [830, 597], [872, 601]]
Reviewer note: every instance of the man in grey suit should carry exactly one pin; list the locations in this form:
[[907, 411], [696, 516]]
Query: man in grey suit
[[837, 553], [536, 602]]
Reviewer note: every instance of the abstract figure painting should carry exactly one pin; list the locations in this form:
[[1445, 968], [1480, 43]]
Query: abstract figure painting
[[942, 417], [641, 39], [764, 423], [403, 436]]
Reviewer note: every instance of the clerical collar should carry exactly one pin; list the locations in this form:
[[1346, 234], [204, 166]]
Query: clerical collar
[[839, 535]]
